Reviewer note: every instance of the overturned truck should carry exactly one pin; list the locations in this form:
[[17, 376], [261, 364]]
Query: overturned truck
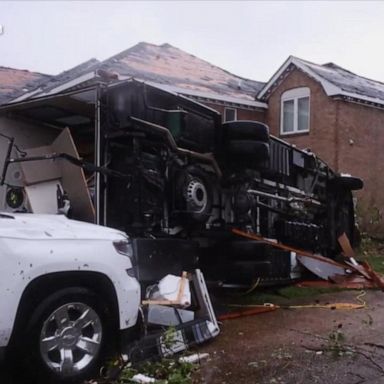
[[168, 172]]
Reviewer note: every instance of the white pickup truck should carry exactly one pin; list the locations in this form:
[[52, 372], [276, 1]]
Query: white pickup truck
[[67, 291]]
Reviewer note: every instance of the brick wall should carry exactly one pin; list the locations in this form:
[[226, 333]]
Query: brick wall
[[321, 138], [242, 114], [348, 136], [360, 153]]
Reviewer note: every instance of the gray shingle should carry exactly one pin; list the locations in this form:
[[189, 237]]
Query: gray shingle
[[348, 81]]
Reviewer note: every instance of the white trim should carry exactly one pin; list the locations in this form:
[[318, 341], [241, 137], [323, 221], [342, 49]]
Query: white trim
[[275, 77], [362, 97], [295, 95], [25, 96], [62, 87], [71, 83], [329, 88]]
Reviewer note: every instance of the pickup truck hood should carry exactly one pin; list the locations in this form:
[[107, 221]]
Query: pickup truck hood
[[49, 227]]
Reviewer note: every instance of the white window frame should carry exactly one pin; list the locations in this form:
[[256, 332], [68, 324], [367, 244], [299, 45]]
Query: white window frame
[[294, 95], [225, 113]]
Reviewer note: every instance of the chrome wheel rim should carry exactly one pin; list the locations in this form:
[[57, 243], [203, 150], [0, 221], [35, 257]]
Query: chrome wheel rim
[[70, 338]]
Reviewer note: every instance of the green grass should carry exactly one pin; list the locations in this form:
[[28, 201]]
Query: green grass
[[377, 263], [372, 251], [281, 296]]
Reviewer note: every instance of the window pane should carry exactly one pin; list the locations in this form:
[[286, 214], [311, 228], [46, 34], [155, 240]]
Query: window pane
[[230, 114], [288, 116], [303, 114]]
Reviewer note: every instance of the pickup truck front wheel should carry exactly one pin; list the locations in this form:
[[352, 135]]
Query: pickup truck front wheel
[[68, 334]]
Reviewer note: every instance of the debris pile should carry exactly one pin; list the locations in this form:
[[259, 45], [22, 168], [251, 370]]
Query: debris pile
[[183, 305], [348, 272]]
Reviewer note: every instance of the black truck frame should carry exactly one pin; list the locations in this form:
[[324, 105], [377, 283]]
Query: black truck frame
[[178, 180]]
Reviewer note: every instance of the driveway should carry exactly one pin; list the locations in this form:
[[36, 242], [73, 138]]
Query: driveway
[[308, 345]]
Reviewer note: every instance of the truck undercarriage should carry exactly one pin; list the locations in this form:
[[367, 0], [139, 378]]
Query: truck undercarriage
[[166, 170]]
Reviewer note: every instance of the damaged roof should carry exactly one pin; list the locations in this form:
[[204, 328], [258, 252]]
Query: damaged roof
[[166, 64], [335, 80], [16, 81], [159, 64], [186, 74]]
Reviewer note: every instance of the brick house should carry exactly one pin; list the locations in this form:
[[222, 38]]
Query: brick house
[[339, 116]]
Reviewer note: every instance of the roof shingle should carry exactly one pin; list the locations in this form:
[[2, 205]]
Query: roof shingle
[[16, 81], [162, 64]]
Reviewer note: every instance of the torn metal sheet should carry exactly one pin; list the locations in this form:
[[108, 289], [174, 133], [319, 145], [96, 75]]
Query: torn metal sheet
[[324, 268], [342, 275], [321, 266]]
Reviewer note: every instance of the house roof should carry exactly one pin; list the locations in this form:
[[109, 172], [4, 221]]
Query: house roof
[[15, 81], [166, 64], [160, 64], [335, 80]]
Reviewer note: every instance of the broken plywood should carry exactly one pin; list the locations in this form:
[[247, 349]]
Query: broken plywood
[[41, 170], [41, 177], [73, 179]]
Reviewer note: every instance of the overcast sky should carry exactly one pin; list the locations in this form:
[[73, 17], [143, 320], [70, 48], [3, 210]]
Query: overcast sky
[[249, 38]]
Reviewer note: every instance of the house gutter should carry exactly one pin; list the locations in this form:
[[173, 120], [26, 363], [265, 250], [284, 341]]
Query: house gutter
[[14, 105]]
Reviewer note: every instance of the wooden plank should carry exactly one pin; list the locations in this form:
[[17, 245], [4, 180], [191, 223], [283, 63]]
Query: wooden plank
[[346, 246]]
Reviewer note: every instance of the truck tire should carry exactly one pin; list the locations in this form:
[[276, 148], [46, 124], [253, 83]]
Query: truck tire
[[196, 190], [252, 130], [250, 149], [67, 336]]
